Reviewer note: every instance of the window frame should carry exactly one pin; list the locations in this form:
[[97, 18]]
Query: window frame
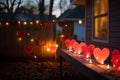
[[93, 25]]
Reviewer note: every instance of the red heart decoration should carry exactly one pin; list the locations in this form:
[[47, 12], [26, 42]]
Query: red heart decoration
[[61, 23], [67, 43], [101, 55], [41, 42], [53, 48], [77, 47], [115, 58], [28, 49], [87, 51], [20, 34], [64, 37], [48, 24]]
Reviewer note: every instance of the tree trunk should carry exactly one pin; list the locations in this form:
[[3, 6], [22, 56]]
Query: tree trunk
[[50, 10]]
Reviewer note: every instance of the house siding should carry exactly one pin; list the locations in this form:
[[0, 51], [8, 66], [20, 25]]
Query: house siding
[[114, 25]]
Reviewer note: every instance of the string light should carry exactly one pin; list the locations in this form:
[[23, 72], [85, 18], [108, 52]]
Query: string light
[[28, 34], [25, 23], [48, 49], [7, 23], [32, 40], [19, 39], [80, 21], [19, 22], [31, 23], [37, 21]]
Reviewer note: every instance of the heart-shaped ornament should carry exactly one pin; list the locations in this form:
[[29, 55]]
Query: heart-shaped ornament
[[28, 49], [115, 59], [101, 55], [88, 50]]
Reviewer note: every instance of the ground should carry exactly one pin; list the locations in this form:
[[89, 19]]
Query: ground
[[37, 70]]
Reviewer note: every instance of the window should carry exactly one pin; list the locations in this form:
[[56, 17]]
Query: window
[[100, 20]]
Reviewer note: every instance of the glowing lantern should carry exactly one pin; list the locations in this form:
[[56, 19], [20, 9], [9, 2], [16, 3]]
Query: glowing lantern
[[28, 49], [101, 55], [115, 58]]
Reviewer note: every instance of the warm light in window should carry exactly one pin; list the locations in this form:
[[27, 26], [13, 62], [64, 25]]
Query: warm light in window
[[0, 23]]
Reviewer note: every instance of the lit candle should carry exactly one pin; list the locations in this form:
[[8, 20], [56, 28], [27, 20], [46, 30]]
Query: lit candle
[[102, 62], [87, 56], [108, 66], [90, 61], [70, 49], [79, 52], [75, 52]]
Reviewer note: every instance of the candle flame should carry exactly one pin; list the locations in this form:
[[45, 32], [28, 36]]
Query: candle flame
[[90, 61], [108, 67]]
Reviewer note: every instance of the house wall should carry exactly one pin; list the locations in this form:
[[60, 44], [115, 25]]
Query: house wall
[[79, 31], [114, 25]]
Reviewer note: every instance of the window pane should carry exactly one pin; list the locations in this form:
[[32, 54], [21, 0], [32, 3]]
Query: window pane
[[100, 7], [101, 27]]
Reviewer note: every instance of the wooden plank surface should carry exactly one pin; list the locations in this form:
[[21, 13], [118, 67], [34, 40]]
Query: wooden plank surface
[[91, 71]]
